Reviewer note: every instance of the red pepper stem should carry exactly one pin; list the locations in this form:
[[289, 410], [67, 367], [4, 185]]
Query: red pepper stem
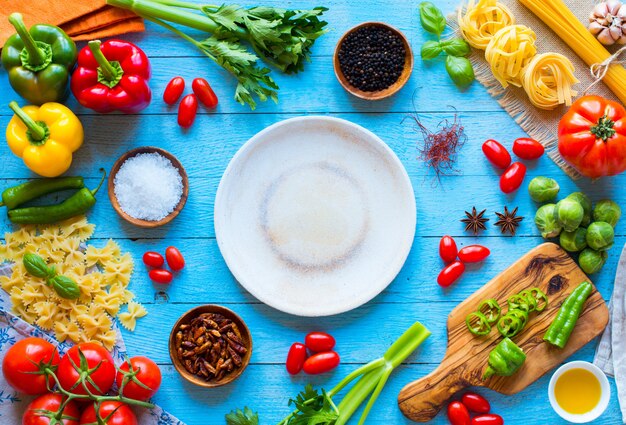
[[37, 132], [108, 71], [35, 55]]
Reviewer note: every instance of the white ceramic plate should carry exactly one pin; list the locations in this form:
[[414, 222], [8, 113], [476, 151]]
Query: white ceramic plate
[[315, 216]]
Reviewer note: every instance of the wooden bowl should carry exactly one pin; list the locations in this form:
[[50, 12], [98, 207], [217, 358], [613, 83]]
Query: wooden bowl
[[245, 336], [380, 94], [111, 186]]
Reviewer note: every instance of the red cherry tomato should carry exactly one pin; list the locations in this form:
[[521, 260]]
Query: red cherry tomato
[[174, 258], [447, 249], [450, 274], [153, 259], [497, 154], [173, 90], [205, 93], [473, 253], [145, 371], [112, 413], [296, 358], [458, 414], [513, 177], [187, 110], [96, 356], [51, 402], [321, 362], [476, 403], [319, 341], [161, 276], [489, 419], [22, 361], [527, 148]]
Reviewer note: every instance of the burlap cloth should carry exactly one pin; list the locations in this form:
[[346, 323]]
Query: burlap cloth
[[539, 124]]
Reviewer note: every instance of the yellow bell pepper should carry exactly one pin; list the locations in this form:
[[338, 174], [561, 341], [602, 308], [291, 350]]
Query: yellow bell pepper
[[45, 137]]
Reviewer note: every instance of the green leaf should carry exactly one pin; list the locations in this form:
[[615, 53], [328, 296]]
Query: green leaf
[[456, 47], [65, 287], [431, 18], [227, 15], [245, 417], [460, 70], [430, 49], [36, 265]]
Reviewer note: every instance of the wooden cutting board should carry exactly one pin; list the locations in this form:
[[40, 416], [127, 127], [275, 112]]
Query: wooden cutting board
[[547, 267]]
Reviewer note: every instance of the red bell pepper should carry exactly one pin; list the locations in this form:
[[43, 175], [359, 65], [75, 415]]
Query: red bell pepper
[[112, 76]]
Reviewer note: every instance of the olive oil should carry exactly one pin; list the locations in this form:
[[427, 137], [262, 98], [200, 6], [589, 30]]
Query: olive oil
[[577, 391]]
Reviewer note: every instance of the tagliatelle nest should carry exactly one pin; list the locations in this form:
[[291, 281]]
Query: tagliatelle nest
[[509, 51], [103, 275]]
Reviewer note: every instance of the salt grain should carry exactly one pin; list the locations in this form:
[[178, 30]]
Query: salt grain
[[148, 186]]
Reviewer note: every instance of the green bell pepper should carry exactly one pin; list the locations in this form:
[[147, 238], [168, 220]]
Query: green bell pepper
[[505, 359], [39, 61]]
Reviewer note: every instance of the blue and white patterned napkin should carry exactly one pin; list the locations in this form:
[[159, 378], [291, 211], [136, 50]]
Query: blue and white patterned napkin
[[13, 404]]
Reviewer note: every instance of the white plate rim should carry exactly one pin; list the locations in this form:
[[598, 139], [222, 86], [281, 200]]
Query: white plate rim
[[381, 284]]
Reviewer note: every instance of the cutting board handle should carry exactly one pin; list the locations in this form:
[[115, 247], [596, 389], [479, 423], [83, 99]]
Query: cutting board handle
[[421, 400]]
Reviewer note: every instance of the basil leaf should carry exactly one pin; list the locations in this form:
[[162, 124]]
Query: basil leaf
[[431, 18], [430, 49], [65, 287], [460, 70], [36, 265], [456, 47]]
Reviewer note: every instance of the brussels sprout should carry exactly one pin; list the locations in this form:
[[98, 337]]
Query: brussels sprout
[[574, 241], [545, 221], [585, 202], [591, 261], [600, 235], [569, 214], [607, 211], [543, 189]]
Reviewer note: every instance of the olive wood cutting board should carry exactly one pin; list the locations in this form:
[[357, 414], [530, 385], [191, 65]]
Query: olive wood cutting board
[[550, 269]]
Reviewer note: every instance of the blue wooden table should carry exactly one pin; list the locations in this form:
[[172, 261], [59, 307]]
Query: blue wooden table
[[362, 334]]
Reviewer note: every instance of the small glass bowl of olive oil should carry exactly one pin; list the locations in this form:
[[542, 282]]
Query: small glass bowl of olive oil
[[579, 392]]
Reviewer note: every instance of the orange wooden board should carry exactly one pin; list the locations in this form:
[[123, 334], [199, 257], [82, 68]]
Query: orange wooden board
[[547, 267]]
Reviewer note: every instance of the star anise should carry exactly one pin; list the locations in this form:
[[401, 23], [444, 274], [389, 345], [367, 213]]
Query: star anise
[[475, 221], [508, 221]]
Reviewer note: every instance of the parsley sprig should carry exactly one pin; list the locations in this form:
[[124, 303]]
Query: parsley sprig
[[240, 37]]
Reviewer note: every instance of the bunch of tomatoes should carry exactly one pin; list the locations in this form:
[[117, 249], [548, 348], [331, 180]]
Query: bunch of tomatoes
[[513, 175], [73, 389], [323, 358], [449, 253], [155, 261], [188, 107]]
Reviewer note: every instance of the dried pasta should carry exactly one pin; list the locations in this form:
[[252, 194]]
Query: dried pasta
[[508, 53], [482, 21], [548, 80], [103, 275]]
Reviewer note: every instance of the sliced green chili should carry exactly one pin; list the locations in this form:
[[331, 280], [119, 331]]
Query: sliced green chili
[[518, 302], [477, 324], [540, 298], [491, 310], [509, 325]]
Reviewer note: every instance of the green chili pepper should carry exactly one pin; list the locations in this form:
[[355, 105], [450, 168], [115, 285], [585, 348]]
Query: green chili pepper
[[541, 299], [510, 325], [22, 193], [477, 324], [38, 61], [563, 324], [505, 359], [64, 286], [77, 204], [518, 302], [491, 310]]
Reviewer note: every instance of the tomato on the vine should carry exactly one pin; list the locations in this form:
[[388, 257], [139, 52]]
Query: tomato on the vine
[[447, 249], [450, 274], [319, 341], [476, 403], [295, 358], [111, 412], [95, 355], [174, 258], [321, 362], [473, 253], [22, 362], [513, 177], [144, 372], [497, 154], [46, 409], [527, 148], [458, 413]]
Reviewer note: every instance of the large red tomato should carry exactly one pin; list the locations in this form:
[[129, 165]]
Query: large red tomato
[[46, 410], [592, 137], [70, 369], [146, 372], [24, 359], [111, 412]]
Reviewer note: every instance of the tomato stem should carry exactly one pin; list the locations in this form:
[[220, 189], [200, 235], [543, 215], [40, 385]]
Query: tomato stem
[[603, 129]]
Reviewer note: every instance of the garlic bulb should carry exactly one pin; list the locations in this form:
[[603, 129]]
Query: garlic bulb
[[608, 22]]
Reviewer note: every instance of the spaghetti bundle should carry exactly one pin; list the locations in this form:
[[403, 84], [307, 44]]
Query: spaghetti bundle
[[556, 15], [548, 79], [482, 21], [509, 51]]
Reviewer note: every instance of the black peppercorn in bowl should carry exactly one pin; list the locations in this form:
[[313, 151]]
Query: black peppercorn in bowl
[[373, 60], [210, 346]]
